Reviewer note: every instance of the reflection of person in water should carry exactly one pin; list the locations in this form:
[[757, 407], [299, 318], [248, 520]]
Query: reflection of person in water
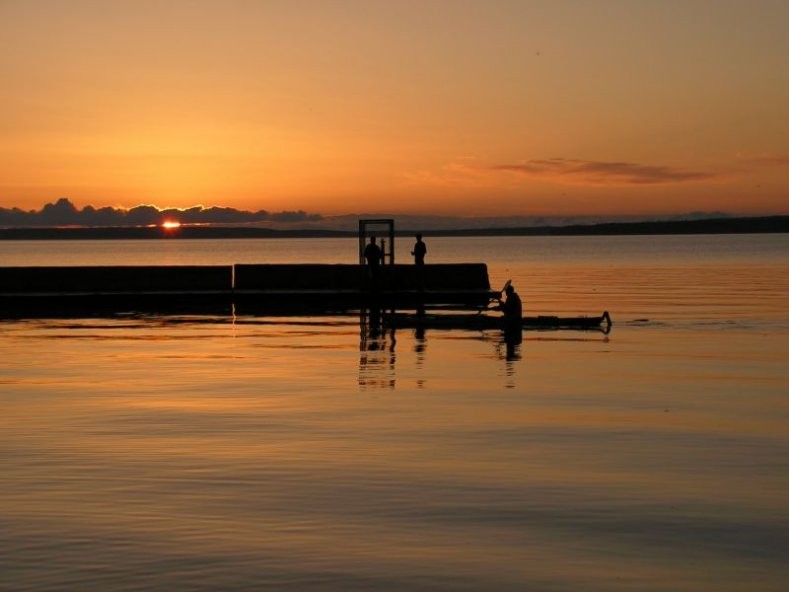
[[376, 366], [420, 250], [373, 255], [512, 341]]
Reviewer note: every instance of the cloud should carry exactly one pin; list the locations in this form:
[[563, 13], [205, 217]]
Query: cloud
[[778, 161], [297, 216], [64, 213], [588, 172], [562, 170], [454, 174]]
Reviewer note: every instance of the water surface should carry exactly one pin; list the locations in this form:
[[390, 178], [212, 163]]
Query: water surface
[[249, 453]]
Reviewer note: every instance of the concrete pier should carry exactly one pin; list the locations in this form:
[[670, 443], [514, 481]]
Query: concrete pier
[[246, 287], [53, 281]]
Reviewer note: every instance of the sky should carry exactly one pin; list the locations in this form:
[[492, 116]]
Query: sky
[[455, 107]]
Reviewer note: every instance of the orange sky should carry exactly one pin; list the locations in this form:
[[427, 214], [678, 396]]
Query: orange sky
[[445, 107]]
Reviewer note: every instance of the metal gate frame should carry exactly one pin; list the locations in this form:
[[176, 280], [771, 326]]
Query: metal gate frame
[[365, 232]]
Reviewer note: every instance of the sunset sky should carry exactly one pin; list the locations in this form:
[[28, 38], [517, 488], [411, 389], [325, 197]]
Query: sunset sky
[[458, 107]]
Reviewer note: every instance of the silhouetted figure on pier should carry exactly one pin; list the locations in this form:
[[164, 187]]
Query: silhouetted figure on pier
[[420, 250], [373, 256]]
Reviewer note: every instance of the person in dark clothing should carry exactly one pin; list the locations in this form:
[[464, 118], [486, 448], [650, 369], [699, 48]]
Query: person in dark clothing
[[512, 307], [420, 250], [373, 256]]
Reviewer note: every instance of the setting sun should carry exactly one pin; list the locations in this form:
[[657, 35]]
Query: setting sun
[[171, 224]]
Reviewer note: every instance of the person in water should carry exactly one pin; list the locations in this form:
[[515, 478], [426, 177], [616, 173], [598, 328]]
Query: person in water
[[420, 250], [512, 307]]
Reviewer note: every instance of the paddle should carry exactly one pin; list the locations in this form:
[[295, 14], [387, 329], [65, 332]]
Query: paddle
[[507, 284]]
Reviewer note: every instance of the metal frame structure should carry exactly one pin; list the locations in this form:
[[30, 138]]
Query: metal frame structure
[[367, 228]]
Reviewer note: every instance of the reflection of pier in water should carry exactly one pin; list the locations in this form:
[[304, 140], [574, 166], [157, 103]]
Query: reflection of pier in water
[[380, 331], [378, 342], [376, 350]]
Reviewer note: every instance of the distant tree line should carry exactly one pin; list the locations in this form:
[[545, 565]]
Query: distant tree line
[[64, 213]]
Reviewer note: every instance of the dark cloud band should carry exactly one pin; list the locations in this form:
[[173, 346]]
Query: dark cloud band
[[604, 173], [64, 213]]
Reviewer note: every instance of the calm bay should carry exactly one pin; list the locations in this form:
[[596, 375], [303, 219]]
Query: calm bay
[[261, 453]]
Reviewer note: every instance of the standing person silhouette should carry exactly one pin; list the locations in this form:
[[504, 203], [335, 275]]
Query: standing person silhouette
[[420, 250], [373, 256]]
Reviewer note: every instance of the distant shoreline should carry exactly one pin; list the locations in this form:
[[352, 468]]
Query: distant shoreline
[[758, 225]]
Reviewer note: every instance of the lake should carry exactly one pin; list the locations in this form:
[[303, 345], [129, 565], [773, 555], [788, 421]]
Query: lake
[[302, 453]]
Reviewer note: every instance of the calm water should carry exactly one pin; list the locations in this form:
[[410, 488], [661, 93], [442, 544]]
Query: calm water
[[166, 453]]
